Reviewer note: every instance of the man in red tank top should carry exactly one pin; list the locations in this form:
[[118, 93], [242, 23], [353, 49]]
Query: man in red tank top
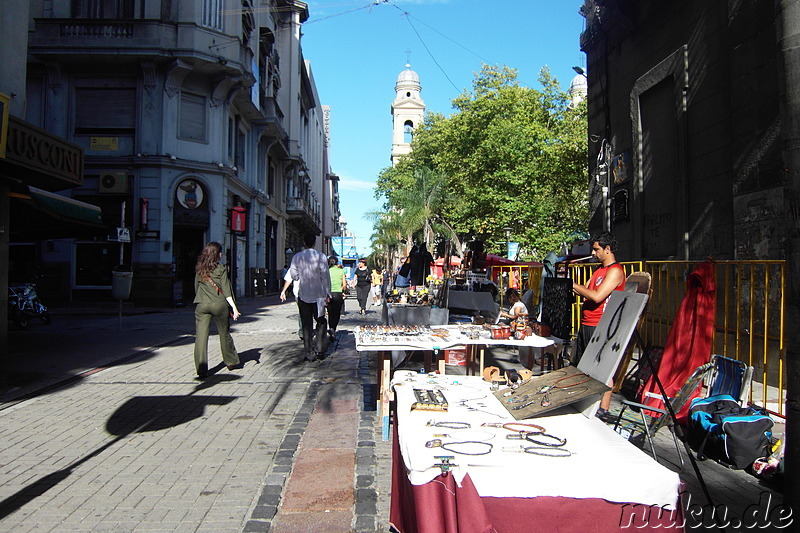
[[608, 278]]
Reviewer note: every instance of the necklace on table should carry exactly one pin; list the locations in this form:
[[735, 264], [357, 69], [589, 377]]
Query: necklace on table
[[546, 402], [449, 425], [479, 447], [581, 374], [540, 450]]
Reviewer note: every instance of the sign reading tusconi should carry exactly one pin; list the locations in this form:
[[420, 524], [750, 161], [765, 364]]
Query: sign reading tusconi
[[39, 150]]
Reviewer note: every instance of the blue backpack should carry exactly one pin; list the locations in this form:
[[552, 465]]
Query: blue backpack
[[721, 429]]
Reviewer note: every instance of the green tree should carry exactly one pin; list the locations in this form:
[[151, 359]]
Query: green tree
[[512, 156], [415, 209]]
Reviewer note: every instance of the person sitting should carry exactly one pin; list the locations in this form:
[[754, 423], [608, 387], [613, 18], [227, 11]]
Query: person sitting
[[517, 311], [402, 280]]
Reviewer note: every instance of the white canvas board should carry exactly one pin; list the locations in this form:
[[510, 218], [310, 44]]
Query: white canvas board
[[607, 346]]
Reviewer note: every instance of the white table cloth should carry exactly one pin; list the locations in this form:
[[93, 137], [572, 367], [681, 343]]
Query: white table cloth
[[603, 465]]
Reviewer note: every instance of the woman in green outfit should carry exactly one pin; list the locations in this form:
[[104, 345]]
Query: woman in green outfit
[[338, 283], [213, 295]]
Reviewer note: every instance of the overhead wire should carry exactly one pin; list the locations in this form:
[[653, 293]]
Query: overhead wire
[[408, 16], [421, 40], [370, 5], [448, 38]]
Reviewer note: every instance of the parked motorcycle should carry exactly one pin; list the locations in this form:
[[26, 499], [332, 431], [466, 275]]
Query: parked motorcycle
[[24, 304]]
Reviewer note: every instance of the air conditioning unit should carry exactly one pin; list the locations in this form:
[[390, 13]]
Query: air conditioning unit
[[113, 182]]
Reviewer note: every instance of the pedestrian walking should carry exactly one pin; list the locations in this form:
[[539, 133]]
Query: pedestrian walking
[[214, 299], [311, 268], [338, 284], [287, 278], [377, 279], [363, 279]]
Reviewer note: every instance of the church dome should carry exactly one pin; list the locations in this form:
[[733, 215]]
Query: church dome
[[578, 90], [407, 79], [579, 84]]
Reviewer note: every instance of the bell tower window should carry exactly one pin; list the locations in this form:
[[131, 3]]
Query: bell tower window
[[408, 132]]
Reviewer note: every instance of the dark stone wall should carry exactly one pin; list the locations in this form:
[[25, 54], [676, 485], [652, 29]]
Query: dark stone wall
[[729, 182]]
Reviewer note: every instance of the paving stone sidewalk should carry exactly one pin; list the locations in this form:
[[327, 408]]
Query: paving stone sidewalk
[[105, 428]]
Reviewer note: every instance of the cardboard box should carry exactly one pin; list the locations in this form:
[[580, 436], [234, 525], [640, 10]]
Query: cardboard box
[[456, 355]]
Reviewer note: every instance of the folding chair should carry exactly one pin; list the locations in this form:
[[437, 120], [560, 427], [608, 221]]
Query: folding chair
[[651, 424], [730, 377]]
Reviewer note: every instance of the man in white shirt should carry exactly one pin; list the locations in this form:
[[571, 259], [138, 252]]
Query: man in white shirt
[[287, 277], [310, 267]]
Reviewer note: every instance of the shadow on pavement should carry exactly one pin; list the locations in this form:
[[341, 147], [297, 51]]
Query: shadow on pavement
[[137, 415]]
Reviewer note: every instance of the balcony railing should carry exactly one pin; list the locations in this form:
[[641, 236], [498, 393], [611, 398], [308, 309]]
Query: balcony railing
[[300, 207]]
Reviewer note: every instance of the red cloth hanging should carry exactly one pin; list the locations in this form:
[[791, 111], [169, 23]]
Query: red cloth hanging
[[689, 342]]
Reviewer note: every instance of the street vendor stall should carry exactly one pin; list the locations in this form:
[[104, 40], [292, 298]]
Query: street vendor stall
[[530, 457], [388, 340], [470, 466]]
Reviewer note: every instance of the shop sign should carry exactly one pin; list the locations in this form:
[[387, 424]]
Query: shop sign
[[39, 150]]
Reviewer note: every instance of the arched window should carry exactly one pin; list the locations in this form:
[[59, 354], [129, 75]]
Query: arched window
[[408, 131]]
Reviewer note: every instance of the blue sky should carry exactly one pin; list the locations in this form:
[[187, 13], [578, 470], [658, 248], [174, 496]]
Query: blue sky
[[357, 49]]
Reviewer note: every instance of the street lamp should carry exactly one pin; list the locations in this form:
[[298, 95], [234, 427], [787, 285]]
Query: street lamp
[[580, 71], [342, 232], [508, 229]]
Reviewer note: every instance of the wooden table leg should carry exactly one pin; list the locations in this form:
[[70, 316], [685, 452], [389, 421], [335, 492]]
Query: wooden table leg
[[427, 356], [384, 390], [469, 359]]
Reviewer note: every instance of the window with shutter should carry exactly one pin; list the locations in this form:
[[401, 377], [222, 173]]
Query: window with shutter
[[105, 110], [192, 118]]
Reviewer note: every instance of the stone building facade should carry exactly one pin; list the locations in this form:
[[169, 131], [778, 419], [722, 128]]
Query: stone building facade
[[199, 120], [685, 127]]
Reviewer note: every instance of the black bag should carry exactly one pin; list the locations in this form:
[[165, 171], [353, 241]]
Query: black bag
[[719, 428]]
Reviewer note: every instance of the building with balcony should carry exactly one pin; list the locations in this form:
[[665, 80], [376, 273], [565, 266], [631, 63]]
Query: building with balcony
[[198, 121]]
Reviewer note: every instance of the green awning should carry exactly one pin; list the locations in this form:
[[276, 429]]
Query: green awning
[[37, 214], [65, 208]]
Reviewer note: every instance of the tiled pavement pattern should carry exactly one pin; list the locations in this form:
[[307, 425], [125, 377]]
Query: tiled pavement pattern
[[279, 445]]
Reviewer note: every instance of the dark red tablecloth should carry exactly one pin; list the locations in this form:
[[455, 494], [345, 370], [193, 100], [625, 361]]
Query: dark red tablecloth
[[441, 506]]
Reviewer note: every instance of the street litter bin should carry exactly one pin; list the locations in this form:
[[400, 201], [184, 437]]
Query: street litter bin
[[121, 281]]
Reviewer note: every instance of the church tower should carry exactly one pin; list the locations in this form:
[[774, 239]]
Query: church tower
[[408, 109]]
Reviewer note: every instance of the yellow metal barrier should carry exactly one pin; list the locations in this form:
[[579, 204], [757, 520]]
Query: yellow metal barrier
[[749, 322]]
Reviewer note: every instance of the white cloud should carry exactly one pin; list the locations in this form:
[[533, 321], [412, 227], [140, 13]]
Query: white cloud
[[348, 184], [423, 2]]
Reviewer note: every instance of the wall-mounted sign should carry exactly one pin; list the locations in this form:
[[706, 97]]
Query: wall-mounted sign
[[619, 206], [148, 234], [189, 194], [41, 151], [620, 168], [238, 218], [191, 209], [104, 144]]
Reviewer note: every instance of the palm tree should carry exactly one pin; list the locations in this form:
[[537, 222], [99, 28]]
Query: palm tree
[[421, 207]]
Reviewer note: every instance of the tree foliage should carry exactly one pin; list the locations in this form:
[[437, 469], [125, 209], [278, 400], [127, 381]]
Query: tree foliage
[[510, 156]]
